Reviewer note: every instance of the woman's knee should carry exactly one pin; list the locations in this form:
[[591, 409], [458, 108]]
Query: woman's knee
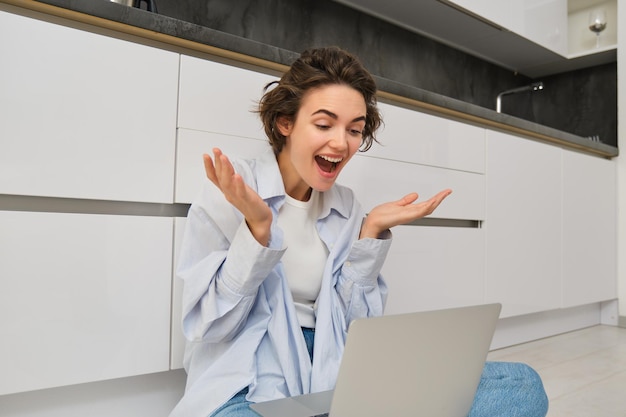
[[237, 406], [511, 389]]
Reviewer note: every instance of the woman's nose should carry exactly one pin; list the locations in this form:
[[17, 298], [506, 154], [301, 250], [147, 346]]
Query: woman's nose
[[339, 139]]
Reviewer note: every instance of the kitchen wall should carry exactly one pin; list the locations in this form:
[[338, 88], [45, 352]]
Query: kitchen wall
[[583, 102]]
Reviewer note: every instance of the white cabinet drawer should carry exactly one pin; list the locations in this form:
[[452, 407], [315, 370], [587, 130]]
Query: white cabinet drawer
[[193, 144], [377, 181], [85, 115], [430, 268], [82, 298], [220, 98], [412, 136]]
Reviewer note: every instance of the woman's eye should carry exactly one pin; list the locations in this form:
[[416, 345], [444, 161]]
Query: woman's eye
[[355, 132], [323, 127]]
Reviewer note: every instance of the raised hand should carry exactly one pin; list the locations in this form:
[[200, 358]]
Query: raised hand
[[257, 213], [402, 211]]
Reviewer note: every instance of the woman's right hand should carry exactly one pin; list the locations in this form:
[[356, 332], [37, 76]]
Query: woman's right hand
[[257, 213]]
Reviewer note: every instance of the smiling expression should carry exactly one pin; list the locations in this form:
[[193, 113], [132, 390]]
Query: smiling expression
[[326, 133]]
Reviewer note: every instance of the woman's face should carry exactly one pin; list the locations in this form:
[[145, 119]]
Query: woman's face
[[325, 134]]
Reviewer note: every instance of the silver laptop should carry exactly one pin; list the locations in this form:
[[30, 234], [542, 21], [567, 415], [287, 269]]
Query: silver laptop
[[416, 364]]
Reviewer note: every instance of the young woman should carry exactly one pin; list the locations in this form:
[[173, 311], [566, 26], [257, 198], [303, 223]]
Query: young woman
[[277, 258]]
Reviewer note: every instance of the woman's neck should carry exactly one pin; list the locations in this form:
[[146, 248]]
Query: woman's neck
[[295, 187]]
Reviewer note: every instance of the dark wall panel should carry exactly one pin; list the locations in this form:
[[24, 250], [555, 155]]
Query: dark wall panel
[[583, 102]]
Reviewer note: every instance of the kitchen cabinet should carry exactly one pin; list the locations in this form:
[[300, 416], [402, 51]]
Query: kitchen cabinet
[[82, 298], [550, 232], [430, 268], [220, 98], [522, 226], [589, 229], [192, 144], [85, 115], [412, 136], [544, 22], [377, 180]]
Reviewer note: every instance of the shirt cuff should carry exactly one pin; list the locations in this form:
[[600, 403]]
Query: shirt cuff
[[366, 259], [248, 262]]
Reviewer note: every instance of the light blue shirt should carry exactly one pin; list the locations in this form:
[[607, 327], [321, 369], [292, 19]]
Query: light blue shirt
[[238, 314]]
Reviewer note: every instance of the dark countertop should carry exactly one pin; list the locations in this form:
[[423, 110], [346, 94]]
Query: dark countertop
[[162, 28]]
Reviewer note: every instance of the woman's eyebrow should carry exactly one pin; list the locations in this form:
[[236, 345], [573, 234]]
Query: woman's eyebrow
[[334, 116], [326, 112]]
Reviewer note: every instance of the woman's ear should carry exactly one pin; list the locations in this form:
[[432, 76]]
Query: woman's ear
[[284, 125]]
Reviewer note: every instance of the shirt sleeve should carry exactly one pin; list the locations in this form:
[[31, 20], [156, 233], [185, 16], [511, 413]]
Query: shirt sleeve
[[222, 266], [360, 286]]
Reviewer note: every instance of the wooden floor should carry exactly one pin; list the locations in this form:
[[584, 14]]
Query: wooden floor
[[584, 372]]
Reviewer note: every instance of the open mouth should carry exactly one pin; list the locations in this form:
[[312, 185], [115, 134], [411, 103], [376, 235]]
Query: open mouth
[[326, 163]]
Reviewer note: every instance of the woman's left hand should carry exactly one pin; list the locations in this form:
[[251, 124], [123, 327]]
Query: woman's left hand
[[394, 213]]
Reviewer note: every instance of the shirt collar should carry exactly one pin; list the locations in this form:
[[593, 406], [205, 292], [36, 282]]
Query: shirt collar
[[267, 174], [336, 199]]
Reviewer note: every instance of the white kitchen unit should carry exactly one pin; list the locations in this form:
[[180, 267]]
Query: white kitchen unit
[[192, 144], [412, 136], [541, 21], [430, 268], [85, 115], [377, 180], [589, 229], [82, 298], [522, 226], [220, 98], [550, 230]]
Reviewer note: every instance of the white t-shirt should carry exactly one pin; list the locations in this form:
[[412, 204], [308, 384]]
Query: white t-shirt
[[306, 254]]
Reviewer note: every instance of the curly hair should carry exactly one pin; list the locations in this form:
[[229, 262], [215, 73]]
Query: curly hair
[[316, 68]]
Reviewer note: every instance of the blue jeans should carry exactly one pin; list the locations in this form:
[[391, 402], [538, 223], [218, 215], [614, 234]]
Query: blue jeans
[[506, 389], [509, 389]]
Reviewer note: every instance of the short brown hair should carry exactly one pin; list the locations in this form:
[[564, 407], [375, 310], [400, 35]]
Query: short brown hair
[[315, 68]]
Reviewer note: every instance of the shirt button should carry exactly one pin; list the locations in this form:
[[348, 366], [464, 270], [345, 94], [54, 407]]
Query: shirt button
[[348, 264]]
